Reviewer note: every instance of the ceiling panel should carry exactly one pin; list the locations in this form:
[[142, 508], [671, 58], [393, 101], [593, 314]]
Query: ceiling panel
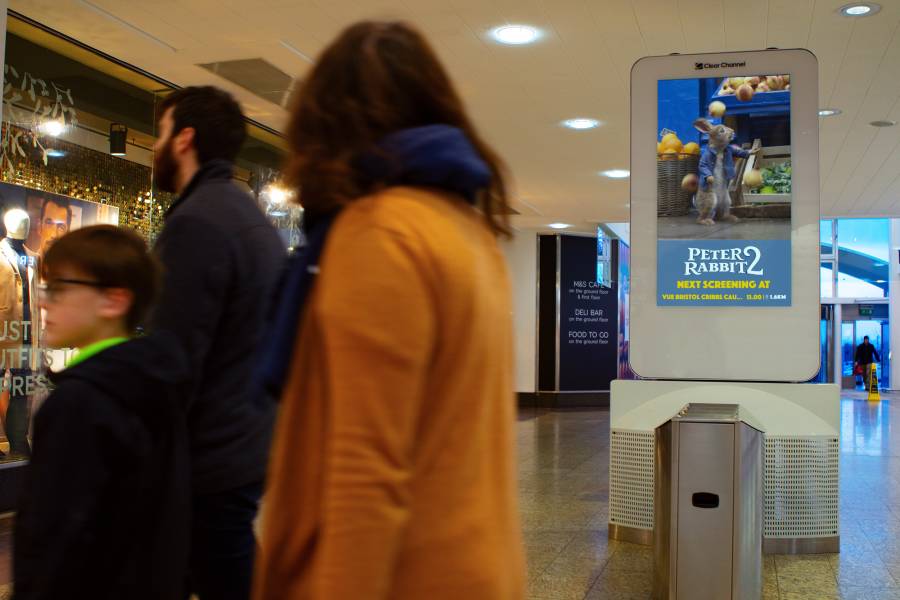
[[883, 166], [872, 180], [150, 19], [788, 23], [660, 26], [618, 32], [745, 24], [892, 196], [519, 95], [703, 24], [866, 58], [865, 148], [828, 39]]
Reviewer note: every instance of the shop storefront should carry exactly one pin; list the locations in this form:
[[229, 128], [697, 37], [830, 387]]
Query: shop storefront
[[75, 150]]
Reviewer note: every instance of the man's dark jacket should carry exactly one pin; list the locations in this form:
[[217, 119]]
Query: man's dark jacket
[[105, 510], [222, 260], [866, 354]]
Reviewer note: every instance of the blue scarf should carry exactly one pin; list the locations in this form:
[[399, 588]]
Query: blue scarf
[[436, 156]]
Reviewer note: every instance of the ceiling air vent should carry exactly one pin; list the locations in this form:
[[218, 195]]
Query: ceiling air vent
[[255, 75]]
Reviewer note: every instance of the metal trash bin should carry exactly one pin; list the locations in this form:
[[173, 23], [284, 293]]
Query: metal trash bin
[[708, 519]]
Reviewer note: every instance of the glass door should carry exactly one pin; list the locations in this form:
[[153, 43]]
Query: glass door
[[826, 341], [848, 348], [875, 330]]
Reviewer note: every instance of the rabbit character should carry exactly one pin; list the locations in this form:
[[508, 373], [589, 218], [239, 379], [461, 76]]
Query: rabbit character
[[716, 172]]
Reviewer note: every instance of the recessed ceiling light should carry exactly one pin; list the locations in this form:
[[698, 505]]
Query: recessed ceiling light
[[859, 9], [558, 225], [883, 123], [581, 123], [829, 112], [616, 173], [54, 153], [515, 35]]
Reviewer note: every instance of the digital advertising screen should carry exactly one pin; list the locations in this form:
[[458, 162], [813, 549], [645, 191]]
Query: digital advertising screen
[[724, 191], [724, 230]]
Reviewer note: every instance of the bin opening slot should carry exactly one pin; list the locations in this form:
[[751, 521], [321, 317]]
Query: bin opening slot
[[705, 500]]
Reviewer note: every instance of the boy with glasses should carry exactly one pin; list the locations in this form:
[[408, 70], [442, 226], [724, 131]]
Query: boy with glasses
[[106, 505]]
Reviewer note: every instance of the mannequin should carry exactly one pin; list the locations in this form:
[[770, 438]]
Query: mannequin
[[18, 317], [18, 224]]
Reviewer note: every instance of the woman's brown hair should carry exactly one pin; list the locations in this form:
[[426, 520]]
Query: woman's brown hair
[[374, 79]]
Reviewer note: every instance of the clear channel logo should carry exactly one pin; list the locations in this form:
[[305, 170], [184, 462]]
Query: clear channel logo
[[699, 66]]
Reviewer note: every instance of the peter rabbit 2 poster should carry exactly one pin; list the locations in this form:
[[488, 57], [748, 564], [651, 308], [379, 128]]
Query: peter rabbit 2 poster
[[724, 191]]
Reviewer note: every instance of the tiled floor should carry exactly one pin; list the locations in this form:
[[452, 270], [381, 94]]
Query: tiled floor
[[564, 470], [564, 467]]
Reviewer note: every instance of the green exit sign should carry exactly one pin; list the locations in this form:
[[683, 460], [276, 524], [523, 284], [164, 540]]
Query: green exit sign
[[866, 310]]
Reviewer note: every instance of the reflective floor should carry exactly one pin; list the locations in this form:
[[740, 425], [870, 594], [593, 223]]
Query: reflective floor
[[564, 466], [564, 491], [5, 547]]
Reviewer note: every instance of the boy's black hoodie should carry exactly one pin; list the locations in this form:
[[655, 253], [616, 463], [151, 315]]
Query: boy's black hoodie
[[106, 506]]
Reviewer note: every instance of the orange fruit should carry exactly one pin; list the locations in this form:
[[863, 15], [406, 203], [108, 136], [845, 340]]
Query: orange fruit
[[672, 143], [668, 138]]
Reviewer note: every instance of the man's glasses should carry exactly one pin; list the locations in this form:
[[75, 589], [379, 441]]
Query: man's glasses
[[53, 289]]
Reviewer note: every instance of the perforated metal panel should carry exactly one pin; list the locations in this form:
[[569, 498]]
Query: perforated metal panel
[[801, 484], [801, 487], [631, 478]]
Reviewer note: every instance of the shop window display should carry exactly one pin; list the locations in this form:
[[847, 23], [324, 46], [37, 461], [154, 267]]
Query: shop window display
[[19, 339], [56, 118], [57, 173]]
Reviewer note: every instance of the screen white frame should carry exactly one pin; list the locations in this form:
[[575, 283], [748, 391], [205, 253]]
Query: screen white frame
[[779, 344]]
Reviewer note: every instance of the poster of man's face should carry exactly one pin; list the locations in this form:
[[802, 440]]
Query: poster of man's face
[[55, 221], [53, 216]]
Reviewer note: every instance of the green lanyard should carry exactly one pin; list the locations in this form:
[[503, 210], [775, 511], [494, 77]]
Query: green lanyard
[[82, 354]]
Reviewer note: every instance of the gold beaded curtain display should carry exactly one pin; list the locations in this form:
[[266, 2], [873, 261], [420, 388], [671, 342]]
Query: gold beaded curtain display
[[79, 172], [32, 157]]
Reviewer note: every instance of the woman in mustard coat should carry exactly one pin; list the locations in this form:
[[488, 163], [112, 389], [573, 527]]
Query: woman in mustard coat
[[392, 474]]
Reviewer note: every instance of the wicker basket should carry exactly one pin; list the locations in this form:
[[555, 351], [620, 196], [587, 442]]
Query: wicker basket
[[672, 201]]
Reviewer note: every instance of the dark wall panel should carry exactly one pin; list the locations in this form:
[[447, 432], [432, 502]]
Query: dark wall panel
[[547, 312], [588, 333]]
